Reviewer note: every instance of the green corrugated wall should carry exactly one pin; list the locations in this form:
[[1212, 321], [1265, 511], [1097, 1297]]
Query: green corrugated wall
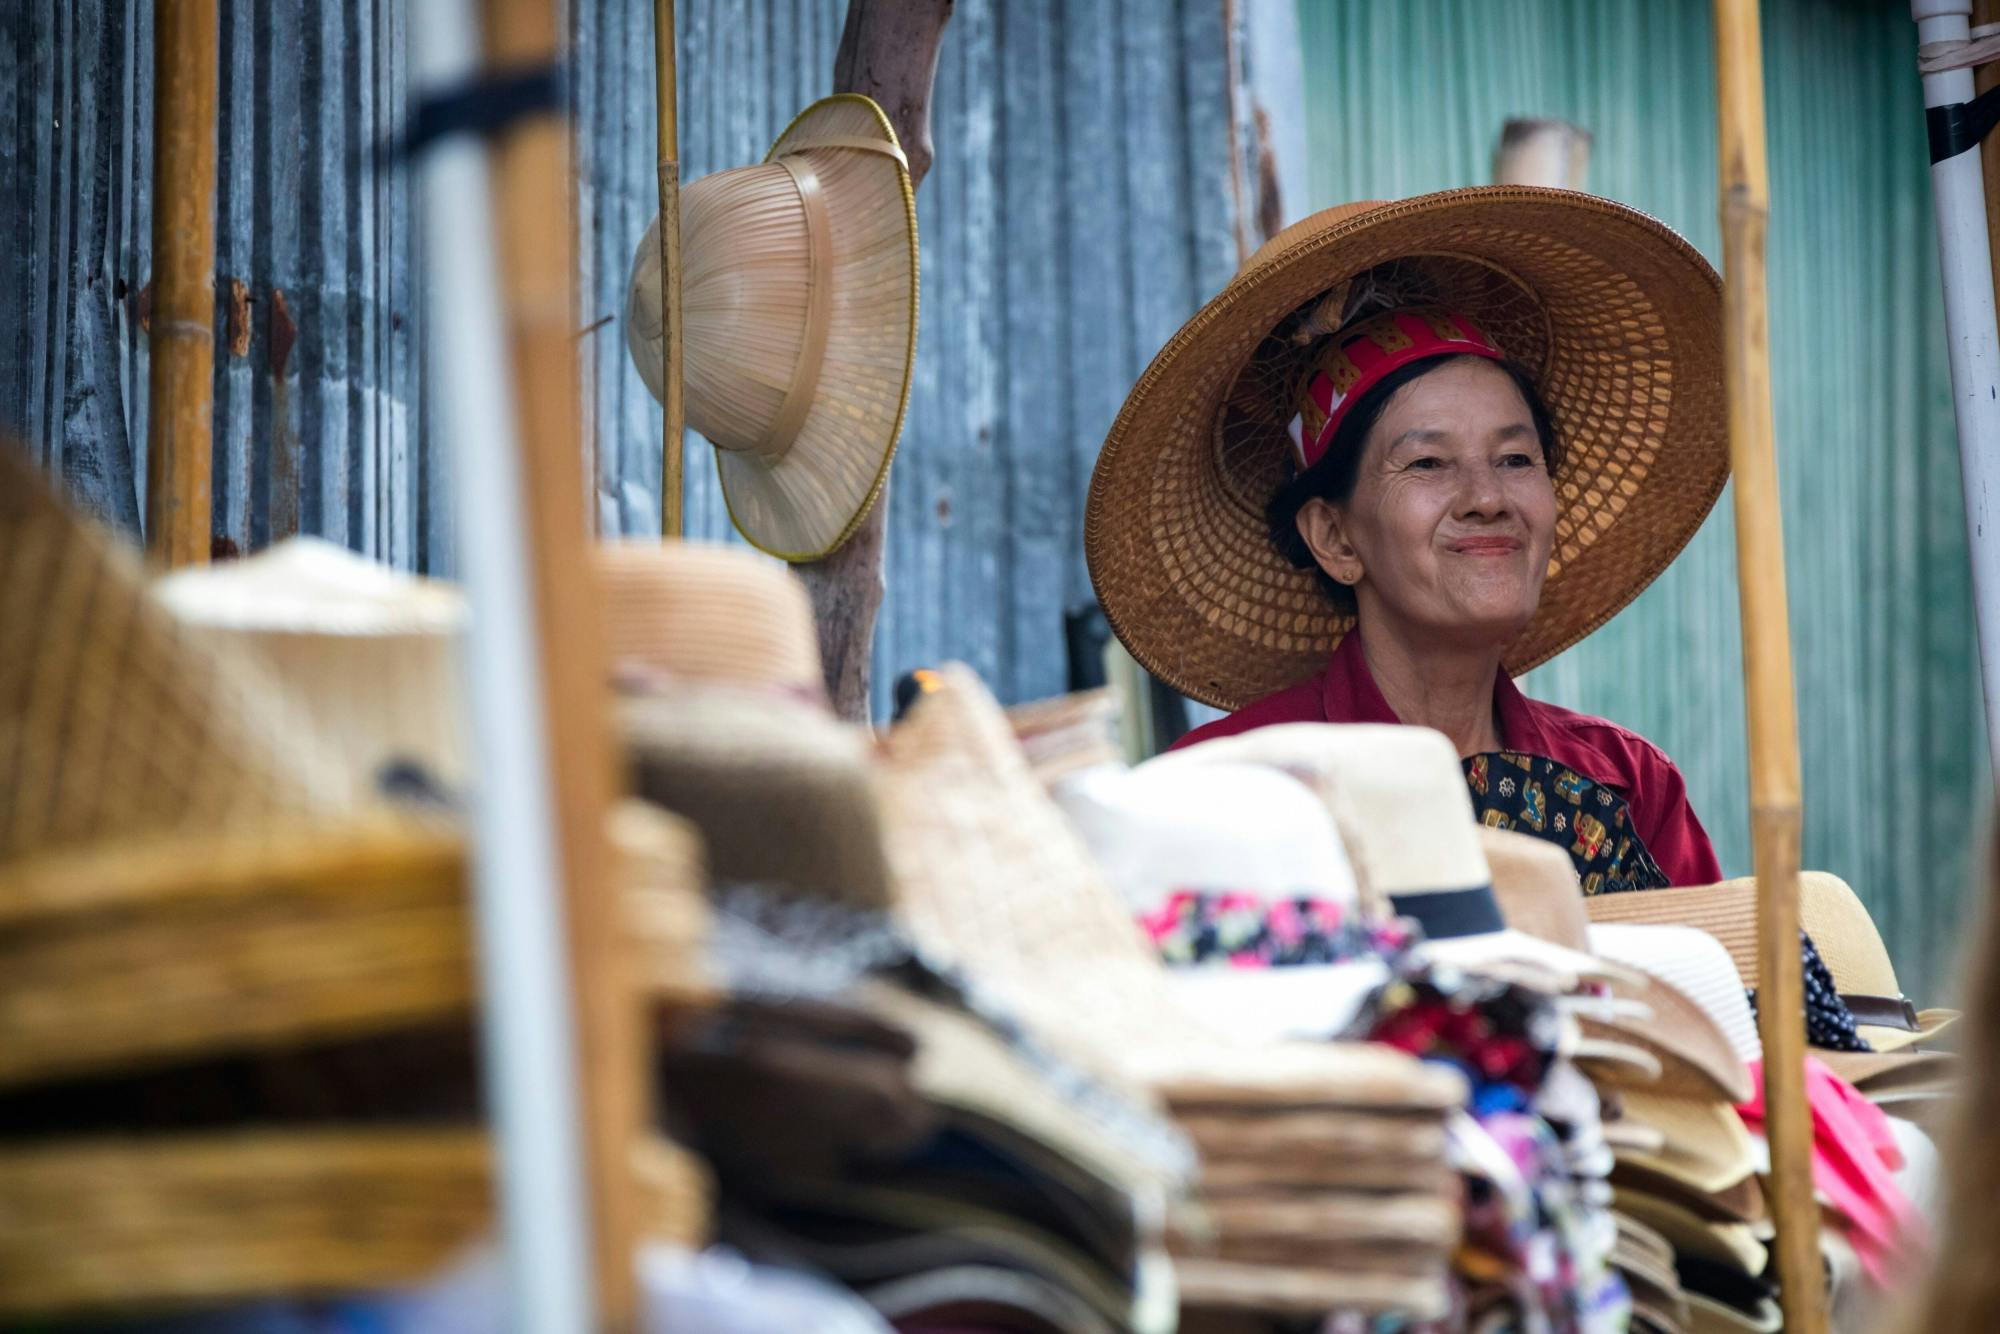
[[1409, 96]]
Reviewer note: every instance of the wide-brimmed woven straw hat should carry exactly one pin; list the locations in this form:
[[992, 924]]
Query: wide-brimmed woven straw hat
[[1838, 922], [799, 310], [1617, 318]]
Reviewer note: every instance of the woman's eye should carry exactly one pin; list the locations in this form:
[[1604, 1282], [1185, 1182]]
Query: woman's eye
[[1426, 464], [1518, 461]]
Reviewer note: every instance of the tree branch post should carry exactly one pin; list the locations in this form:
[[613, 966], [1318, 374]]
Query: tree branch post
[[888, 52]]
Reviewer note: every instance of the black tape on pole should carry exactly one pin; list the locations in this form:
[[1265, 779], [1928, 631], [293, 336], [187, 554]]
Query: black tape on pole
[[1962, 125]]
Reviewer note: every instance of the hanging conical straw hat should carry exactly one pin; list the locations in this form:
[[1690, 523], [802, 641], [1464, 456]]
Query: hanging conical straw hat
[[799, 306]]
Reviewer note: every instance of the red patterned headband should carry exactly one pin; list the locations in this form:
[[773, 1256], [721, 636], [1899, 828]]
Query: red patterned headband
[[1356, 359]]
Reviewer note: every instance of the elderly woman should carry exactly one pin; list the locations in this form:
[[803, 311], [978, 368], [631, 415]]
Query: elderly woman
[[1473, 427]]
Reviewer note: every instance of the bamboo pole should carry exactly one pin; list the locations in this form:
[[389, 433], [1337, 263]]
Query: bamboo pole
[[673, 405], [1767, 662], [180, 380], [535, 231], [1984, 79]]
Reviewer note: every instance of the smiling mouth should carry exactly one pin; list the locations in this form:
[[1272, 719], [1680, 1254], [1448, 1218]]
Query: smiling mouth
[[1486, 546]]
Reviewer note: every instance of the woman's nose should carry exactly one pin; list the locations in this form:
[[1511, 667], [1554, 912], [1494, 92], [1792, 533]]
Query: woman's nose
[[1483, 493]]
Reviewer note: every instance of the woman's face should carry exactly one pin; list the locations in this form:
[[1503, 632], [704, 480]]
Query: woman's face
[[1453, 514]]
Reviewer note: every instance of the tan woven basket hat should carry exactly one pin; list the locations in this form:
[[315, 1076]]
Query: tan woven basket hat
[[799, 301], [1616, 316], [1839, 924], [149, 1223], [700, 612]]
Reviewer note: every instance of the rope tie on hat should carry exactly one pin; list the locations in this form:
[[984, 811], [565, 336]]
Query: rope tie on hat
[[812, 345]]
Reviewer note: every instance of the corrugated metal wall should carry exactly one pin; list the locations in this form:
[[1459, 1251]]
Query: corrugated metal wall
[[316, 385], [1410, 97], [1078, 209]]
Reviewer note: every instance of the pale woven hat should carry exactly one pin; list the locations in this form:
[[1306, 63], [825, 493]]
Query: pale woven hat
[[118, 720], [1617, 318], [1399, 801], [702, 612], [799, 307], [1831, 913], [1160, 832], [1701, 1025], [1707, 1147], [371, 653]]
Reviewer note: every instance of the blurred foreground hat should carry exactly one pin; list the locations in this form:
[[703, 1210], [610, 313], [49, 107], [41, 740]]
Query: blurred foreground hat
[[1399, 800], [706, 613], [1617, 318], [371, 653], [1831, 914], [721, 712], [799, 307]]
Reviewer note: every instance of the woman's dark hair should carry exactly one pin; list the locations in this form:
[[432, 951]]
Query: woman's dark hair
[[1333, 477]]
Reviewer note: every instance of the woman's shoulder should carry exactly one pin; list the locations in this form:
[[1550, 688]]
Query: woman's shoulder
[[1605, 751], [1302, 703]]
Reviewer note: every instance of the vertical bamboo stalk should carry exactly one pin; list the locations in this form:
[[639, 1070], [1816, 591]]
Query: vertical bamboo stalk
[[535, 228], [1767, 662], [673, 407], [1984, 79], [180, 381]]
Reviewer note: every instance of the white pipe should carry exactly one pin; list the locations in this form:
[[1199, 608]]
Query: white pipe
[[528, 1024], [1965, 256]]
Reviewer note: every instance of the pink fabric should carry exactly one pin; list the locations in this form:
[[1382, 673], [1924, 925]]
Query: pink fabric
[[1854, 1154]]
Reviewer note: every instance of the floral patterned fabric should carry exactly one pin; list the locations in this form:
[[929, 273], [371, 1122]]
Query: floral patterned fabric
[[1532, 794], [1249, 931]]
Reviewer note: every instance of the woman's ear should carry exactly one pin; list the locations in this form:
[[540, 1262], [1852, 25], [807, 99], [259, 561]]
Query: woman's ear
[[1324, 529]]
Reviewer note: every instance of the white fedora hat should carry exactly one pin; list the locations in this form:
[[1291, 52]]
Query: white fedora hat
[[1399, 800], [799, 305], [1237, 875]]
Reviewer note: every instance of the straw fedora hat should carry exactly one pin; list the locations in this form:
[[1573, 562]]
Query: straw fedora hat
[[704, 612], [1701, 1027], [1616, 317], [1708, 1148], [1399, 801], [799, 308], [370, 653], [1832, 914]]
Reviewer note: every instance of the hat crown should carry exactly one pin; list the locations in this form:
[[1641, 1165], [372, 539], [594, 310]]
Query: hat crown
[[1224, 828], [705, 612]]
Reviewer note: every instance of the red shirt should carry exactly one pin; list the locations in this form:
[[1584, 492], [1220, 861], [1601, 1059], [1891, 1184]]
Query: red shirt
[[1601, 751]]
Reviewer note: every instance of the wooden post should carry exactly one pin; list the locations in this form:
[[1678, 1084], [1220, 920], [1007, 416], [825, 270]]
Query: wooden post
[[1542, 151], [535, 229], [673, 406], [888, 51], [1767, 663], [180, 389]]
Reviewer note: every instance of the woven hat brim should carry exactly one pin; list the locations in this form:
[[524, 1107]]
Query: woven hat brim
[[1179, 553], [808, 503], [145, 1223]]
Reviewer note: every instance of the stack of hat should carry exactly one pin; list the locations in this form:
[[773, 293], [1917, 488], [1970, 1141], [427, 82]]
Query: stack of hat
[[1665, 1040], [1909, 1072], [236, 992], [991, 877], [1483, 996], [870, 1115]]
